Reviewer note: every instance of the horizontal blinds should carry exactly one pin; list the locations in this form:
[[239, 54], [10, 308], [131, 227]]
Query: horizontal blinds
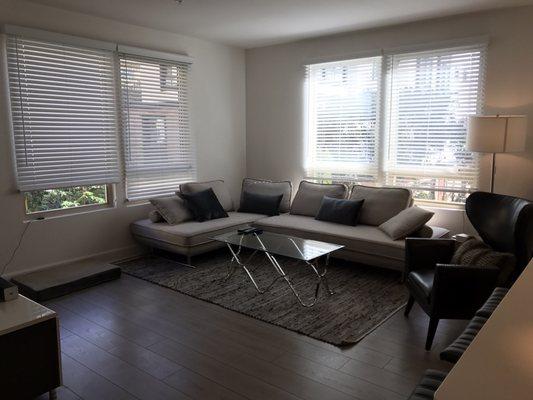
[[430, 95], [343, 118], [63, 113], [158, 149]]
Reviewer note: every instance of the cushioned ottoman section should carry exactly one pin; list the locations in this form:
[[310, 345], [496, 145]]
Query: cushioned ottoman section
[[492, 302], [191, 233], [64, 279], [430, 382], [360, 238], [453, 352]]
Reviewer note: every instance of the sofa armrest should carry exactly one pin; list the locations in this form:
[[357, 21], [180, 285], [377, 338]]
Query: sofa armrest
[[423, 253], [460, 290]]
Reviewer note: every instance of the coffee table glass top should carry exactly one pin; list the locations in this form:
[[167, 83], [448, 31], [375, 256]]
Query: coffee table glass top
[[279, 244]]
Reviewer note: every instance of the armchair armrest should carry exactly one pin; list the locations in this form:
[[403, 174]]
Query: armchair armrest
[[460, 290], [426, 253]]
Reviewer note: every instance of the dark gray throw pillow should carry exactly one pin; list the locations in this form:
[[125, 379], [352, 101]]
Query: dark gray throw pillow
[[339, 211], [256, 203], [204, 205]]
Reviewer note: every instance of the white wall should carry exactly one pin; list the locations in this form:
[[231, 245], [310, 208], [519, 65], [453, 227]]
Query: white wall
[[274, 86], [218, 121]]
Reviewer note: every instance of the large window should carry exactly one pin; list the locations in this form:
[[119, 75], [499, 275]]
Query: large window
[[400, 123], [69, 124], [157, 141]]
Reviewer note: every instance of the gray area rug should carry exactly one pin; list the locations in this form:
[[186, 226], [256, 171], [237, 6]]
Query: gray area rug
[[364, 296]]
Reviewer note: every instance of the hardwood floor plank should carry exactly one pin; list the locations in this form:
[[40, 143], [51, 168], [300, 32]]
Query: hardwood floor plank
[[138, 383], [198, 387], [219, 372], [62, 393], [401, 384], [353, 386], [87, 384], [116, 324]]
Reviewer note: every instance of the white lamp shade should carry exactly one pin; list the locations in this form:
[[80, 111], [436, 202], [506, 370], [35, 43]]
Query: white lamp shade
[[497, 133]]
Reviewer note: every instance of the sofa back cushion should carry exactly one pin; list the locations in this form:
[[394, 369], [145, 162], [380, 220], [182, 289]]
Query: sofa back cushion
[[309, 197], [269, 188], [218, 186], [381, 204]]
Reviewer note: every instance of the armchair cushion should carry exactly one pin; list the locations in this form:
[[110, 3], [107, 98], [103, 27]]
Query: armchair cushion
[[474, 252], [421, 280]]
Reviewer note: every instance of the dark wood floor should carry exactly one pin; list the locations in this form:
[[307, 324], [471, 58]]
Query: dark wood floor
[[130, 339]]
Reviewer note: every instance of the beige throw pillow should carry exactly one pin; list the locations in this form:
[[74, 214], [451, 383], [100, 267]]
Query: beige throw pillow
[[172, 209], [406, 222], [155, 216]]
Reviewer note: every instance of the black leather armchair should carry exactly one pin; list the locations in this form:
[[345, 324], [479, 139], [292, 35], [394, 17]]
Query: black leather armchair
[[446, 291]]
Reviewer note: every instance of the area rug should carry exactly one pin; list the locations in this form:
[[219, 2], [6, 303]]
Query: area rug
[[364, 296]]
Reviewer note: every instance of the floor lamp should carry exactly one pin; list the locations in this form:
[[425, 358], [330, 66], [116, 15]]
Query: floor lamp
[[496, 134]]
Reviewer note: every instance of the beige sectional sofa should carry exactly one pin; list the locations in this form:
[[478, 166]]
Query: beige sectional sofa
[[364, 243]]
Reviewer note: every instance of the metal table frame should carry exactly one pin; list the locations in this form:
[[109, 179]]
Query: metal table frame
[[321, 276]]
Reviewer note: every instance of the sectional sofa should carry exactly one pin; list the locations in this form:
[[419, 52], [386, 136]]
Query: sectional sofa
[[364, 243]]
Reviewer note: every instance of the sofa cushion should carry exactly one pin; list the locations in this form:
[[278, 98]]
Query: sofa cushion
[[191, 233], [381, 204], [339, 211], [204, 205], [218, 186], [171, 208], [266, 204], [428, 385], [407, 222], [309, 197], [270, 188], [360, 238]]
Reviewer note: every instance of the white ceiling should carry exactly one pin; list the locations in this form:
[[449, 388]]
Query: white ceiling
[[253, 23]]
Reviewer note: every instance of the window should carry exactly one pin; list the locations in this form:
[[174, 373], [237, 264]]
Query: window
[[155, 126], [63, 112], [431, 95], [66, 134], [405, 127], [38, 201], [344, 118]]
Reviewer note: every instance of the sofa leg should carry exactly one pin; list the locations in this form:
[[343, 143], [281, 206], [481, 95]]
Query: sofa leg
[[432, 329], [409, 305]]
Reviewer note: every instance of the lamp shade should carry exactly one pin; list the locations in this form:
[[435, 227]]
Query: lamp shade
[[497, 133]]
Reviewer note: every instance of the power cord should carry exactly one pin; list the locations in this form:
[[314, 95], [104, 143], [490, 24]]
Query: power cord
[[14, 253]]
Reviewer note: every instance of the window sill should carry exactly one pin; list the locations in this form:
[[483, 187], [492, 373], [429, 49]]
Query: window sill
[[440, 205], [55, 214]]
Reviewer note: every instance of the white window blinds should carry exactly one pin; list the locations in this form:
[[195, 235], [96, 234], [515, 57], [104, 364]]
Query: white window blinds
[[343, 118], [158, 149], [431, 95], [63, 112]]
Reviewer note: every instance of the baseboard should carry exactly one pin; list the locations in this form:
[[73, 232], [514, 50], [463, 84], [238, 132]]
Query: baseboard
[[104, 256]]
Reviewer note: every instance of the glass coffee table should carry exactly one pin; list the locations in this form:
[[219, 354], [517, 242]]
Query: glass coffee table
[[275, 244]]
